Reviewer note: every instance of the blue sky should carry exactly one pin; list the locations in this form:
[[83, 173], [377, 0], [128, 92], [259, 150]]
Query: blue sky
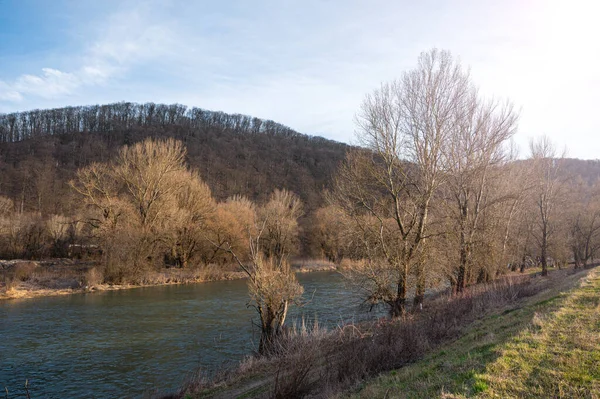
[[306, 64]]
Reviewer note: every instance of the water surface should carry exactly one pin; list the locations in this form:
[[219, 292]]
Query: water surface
[[124, 344]]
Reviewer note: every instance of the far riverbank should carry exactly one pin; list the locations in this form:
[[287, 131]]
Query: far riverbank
[[20, 279]]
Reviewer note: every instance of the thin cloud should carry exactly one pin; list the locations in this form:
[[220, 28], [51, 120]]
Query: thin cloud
[[128, 38]]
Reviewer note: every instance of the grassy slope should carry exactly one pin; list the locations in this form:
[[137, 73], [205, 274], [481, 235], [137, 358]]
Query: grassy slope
[[548, 346]]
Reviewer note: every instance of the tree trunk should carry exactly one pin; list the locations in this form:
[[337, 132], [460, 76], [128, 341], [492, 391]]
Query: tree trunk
[[419, 290], [398, 308], [398, 305], [544, 259]]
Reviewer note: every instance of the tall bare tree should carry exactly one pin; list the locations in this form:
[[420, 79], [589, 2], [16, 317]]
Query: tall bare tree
[[548, 193], [476, 152], [406, 124]]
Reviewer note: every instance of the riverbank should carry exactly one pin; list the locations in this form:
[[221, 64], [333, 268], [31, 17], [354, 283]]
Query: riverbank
[[449, 331], [21, 279], [548, 346]]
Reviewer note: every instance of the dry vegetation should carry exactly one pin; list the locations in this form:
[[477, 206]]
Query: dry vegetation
[[27, 279], [319, 363]]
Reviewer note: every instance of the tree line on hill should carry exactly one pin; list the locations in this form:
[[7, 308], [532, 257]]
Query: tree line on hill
[[20, 126]]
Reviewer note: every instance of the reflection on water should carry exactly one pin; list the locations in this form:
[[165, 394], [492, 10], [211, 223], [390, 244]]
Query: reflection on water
[[125, 343]]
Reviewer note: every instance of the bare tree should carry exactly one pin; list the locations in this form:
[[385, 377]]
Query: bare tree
[[475, 154], [406, 124], [280, 216], [584, 222], [330, 231], [147, 169], [271, 282], [229, 229], [136, 201], [191, 207], [548, 191]]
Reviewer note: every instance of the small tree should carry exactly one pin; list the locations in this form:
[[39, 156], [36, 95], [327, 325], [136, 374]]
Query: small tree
[[271, 282], [280, 217], [330, 232]]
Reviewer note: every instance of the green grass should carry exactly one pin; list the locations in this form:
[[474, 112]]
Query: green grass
[[548, 347], [558, 356]]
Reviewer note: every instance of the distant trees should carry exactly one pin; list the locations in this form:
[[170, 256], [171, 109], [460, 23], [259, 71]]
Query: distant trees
[[20, 126], [235, 154]]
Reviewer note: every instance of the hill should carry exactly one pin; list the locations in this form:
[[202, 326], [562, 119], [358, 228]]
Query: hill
[[40, 151]]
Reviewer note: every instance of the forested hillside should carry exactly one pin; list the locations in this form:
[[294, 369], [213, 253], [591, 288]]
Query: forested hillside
[[40, 151]]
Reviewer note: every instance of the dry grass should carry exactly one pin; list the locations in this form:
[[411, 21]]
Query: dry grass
[[312, 265], [557, 356], [320, 364]]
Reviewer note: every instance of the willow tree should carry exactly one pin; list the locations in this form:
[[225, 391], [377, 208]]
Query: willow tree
[[271, 232], [405, 124], [145, 198]]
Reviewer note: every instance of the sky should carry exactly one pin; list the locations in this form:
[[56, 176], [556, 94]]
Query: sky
[[306, 64]]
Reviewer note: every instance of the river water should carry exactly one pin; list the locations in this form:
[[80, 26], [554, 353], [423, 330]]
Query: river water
[[126, 344]]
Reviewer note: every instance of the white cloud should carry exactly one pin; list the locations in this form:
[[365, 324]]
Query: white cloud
[[128, 38], [51, 83], [8, 93]]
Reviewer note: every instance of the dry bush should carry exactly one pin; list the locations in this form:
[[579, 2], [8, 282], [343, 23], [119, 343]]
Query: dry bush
[[93, 277], [6, 206], [22, 236], [23, 271], [58, 227], [9, 282], [355, 352], [350, 264]]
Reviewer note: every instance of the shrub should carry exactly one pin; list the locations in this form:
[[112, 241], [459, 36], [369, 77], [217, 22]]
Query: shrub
[[93, 277], [23, 271]]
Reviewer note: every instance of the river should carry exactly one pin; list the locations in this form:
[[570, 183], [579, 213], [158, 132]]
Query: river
[[128, 343]]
